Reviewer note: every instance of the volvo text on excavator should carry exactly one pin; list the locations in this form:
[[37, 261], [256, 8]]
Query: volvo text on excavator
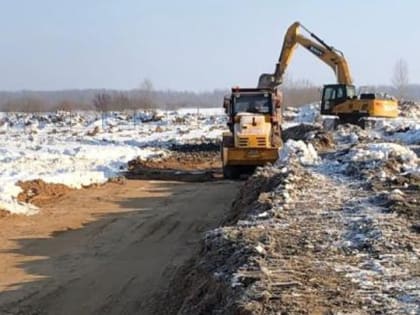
[[340, 99]]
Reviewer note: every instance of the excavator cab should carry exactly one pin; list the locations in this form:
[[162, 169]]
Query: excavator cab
[[335, 94]]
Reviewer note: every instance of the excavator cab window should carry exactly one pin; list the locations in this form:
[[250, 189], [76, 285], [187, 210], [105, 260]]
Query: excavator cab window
[[334, 94], [351, 92], [329, 95]]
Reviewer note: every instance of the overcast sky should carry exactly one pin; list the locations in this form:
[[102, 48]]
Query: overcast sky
[[196, 45]]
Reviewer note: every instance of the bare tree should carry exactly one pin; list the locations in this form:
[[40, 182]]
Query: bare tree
[[102, 102], [67, 106], [24, 104], [299, 92], [400, 77], [120, 101], [146, 99]]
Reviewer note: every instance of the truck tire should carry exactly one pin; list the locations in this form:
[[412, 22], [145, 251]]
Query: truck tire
[[231, 172]]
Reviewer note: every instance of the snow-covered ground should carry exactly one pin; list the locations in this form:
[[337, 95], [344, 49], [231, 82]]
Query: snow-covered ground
[[333, 231], [84, 148]]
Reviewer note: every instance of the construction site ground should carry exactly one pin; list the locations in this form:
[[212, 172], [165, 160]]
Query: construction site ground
[[331, 228], [111, 249]]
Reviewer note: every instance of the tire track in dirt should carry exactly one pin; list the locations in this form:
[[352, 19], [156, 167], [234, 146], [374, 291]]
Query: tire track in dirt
[[111, 249]]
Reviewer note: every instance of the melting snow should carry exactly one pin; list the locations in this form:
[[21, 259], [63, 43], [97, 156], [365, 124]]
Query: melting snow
[[57, 148], [305, 153]]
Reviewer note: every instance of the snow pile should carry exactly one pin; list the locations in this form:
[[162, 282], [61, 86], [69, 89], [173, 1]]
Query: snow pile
[[410, 135], [308, 113], [383, 152], [83, 148], [410, 109], [352, 134], [305, 153], [290, 113]]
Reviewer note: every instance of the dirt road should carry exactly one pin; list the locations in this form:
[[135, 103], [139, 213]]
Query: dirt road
[[105, 250]]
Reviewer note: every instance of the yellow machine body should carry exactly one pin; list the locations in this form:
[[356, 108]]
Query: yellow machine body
[[370, 108]]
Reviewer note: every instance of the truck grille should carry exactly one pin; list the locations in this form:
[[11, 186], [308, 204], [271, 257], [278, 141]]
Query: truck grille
[[261, 142], [242, 142]]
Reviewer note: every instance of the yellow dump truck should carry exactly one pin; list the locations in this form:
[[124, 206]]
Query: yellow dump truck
[[254, 136]]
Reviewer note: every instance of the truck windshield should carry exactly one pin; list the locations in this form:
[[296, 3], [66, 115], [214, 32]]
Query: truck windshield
[[253, 104]]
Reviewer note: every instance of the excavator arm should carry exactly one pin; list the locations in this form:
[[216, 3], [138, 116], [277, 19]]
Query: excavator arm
[[331, 56]]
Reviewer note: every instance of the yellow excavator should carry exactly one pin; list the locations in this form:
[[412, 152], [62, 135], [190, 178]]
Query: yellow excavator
[[341, 99]]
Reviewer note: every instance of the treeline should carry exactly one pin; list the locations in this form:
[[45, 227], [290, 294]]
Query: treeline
[[295, 93], [38, 101]]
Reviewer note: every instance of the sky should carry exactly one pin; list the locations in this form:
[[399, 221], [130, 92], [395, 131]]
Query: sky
[[196, 45]]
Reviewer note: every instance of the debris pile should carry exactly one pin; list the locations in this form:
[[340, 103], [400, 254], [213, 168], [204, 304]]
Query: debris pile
[[410, 109], [314, 134], [186, 157]]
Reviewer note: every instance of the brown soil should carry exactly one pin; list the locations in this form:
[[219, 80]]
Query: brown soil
[[403, 195], [111, 249], [38, 192], [180, 161], [182, 166]]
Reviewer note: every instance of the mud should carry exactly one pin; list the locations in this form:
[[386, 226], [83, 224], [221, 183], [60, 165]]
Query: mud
[[38, 192]]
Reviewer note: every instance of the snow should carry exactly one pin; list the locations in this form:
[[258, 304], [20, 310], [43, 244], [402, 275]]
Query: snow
[[305, 153], [57, 148], [384, 151], [410, 136], [204, 111]]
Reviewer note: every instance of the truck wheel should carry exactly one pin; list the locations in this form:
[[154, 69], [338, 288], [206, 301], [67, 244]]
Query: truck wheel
[[231, 172]]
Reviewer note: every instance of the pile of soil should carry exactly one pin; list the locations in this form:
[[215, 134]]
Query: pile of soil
[[38, 192], [401, 194], [178, 161], [314, 134], [189, 162]]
